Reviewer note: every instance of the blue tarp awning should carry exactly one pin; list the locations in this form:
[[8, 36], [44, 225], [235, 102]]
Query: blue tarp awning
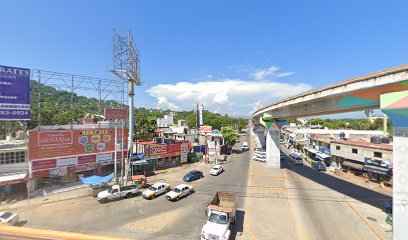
[[97, 179]]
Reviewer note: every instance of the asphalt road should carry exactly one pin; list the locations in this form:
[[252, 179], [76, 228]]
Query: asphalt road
[[147, 219], [325, 207], [320, 207]]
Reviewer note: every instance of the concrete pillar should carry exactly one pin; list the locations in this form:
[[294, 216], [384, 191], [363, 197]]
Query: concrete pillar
[[395, 105], [260, 138], [400, 183], [272, 147]]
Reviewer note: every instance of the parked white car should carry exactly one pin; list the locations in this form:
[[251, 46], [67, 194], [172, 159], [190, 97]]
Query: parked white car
[[180, 191], [261, 159], [260, 154], [217, 169], [156, 190], [8, 218]]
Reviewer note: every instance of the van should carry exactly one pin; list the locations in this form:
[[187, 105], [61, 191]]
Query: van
[[245, 146]]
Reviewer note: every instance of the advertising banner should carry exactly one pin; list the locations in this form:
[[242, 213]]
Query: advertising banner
[[85, 167], [211, 147], [157, 150], [61, 162], [118, 114], [205, 129], [43, 164], [14, 93], [57, 172], [86, 159], [184, 152], [52, 144], [104, 157]]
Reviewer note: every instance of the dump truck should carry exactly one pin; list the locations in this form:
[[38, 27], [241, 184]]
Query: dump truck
[[220, 214]]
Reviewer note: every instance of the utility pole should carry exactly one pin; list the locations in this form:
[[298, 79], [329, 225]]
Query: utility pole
[[115, 167], [197, 124]]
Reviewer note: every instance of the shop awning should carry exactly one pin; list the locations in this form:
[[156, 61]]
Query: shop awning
[[322, 156], [352, 165], [139, 162], [97, 179], [374, 169], [13, 179]]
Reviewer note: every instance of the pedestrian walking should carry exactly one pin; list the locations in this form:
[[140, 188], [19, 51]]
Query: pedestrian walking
[[366, 179]]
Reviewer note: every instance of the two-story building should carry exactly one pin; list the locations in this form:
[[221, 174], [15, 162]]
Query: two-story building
[[13, 169]]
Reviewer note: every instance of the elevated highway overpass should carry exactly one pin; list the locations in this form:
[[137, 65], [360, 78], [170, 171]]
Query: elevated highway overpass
[[386, 90]]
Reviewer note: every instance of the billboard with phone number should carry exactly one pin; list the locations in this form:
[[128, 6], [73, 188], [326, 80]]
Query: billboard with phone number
[[14, 93]]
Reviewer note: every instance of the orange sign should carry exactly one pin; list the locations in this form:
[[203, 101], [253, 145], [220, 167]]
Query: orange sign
[[52, 144]]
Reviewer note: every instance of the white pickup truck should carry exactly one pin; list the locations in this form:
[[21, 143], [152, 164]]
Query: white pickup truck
[[221, 214], [117, 192]]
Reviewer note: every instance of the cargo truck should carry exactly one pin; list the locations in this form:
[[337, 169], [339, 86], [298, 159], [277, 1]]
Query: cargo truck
[[220, 214]]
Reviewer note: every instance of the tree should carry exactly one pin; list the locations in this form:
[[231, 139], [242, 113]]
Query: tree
[[230, 135]]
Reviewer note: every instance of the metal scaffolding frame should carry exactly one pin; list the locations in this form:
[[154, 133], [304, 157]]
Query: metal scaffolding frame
[[98, 88]]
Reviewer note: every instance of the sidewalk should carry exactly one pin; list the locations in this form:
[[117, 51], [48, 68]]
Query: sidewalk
[[269, 214], [54, 195]]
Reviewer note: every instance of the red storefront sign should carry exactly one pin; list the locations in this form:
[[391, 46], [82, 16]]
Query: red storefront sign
[[43, 164], [85, 167], [41, 174], [119, 114], [86, 159], [157, 150], [173, 148], [52, 144], [205, 129]]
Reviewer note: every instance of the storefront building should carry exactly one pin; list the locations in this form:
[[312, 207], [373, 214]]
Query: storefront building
[[13, 170], [163, 155], [372, 158], [66, 154]]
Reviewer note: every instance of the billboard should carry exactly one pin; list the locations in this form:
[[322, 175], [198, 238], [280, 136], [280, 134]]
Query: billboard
[[119, 114], [184, 152], [14, 93], [64, 143]]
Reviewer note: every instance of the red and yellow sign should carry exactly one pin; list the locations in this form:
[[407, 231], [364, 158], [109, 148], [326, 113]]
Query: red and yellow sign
[[52, 144], [157, 150]]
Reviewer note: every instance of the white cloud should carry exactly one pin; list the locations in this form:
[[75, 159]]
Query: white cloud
[[269, 73], [163, 103], [210, 76], [226, 96], [285, 74]]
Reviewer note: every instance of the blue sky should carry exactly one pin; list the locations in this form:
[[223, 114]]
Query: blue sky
[[234, 56]]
